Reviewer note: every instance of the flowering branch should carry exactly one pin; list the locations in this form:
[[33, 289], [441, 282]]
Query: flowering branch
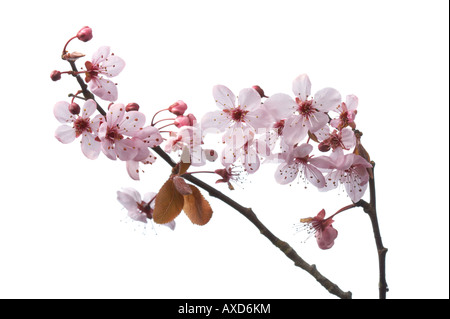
[[256, 131]]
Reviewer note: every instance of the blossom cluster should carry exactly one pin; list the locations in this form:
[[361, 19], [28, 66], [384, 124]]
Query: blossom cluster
[[255, 129]]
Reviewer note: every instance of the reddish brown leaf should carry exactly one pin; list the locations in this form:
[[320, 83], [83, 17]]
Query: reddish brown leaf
[[168, 203], [197, 207]]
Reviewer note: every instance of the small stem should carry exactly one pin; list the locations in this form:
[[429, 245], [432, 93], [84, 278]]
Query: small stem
[[65, 46], [162, 121], [157, 114]]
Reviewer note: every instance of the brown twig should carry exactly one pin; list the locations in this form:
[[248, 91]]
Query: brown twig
[[371, 210], [251, 216]]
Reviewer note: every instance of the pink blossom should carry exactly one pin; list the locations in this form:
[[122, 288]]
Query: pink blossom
[[349, 170], [299, 162], [103, 65], [322, 228], [344, 139], [120, 124], [236, 120], [139, 209], [79, 125], [230, 174], [305, 113], [347, 113]]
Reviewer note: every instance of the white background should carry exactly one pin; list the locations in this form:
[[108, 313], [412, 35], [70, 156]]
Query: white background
[[64, 235]]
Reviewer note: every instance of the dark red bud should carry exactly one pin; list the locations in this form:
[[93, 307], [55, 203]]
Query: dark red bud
[[132, 107], [324, 147], [85, 34], [259, 90], [74, 108], [55, 75]]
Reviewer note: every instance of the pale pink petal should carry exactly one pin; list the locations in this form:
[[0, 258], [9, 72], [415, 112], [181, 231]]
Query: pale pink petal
[[214, 122], [280, 106], [115, 114], [108, 149], [348, 138], [89, 146], [302, 151], [351, 102], [142, 149], [112, 66], [354, 190], [335, 122], [225, 99], [314, 176], [236, 136], [251, 161], [323, 133], [96, 122], [259, 120], [249, 99], [128, 198], [327, 99], [62, 113], [132, 122], [317, 121], [126, 149], [301, 87], [324, 162], [133, 169], [104, 88], [331, 181], [286, 173], [88, 108], [228, 156], [295, 130], [100, 55], [65, 134], [150, 135], [137, 215]]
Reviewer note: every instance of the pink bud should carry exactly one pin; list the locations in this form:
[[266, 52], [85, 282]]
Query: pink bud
[[259, 90], [192, 119], [85, 34], [74, 108], [211, 155], [178, 108], [181, 121], [55, 75], [132, 107]]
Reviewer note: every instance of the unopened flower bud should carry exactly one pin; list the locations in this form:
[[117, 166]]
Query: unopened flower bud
[[85, 34], [259, 90], [324, 146], [181, 121], [55, 75], [132, 107], [178, 108], [192, 119], [74, 108], [211, 155]]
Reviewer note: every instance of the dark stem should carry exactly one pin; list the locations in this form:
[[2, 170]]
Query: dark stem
[[250, 215], [370, 209]]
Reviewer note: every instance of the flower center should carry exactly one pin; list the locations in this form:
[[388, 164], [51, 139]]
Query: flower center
[[80, 125], [279, 126], [237, 114], [112, 134], [305, 108], [146, 209]]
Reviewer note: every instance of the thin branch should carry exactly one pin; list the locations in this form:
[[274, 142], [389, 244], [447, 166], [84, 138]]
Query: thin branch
[[370, 209], [250, 215]]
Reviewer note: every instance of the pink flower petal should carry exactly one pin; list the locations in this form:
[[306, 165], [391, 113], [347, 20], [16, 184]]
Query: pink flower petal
[[132, 122], [100, 55], [351, 102], [62, 113], [133, 169], [314, 176], [65, 134], [326, 237], [104, 88], [295, 130], [286, 173], [89, 146], [215, 122], [302, 151], [225, 99], [280, 106], [112, 66], [327, 99], [126, 149], [249, 99], [301, 87], [115, 114], [88, 108]]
